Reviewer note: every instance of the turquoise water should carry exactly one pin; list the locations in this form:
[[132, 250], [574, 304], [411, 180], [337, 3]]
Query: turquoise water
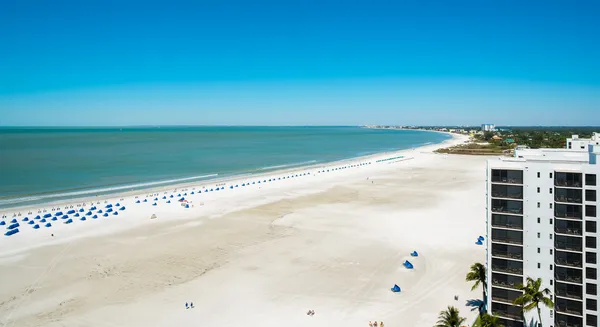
[[46, 164]]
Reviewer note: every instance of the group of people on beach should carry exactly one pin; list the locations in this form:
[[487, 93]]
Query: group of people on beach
[[374, 324]]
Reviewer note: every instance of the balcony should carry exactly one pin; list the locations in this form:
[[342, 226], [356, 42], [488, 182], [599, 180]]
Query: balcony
[[507, 221], [508, 281], [510, 323], [507, 206], [569, 243], [568, 195], [569, 211], [569, 275], [569, 259], [507, 176], [507, 266], [569, 306], [569, 291], [568, 179], [507, 251], [507, 236], [507, 310], [561, 320], [504, 295], [507, 191], [568, 227]]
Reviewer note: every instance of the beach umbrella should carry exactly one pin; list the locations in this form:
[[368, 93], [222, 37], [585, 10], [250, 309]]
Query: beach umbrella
[[31, 222], [48, 225], [44, 220], [76, 215], [11, 232], [94, 216], [122, 208], [71, 212], [154, 204], [117, 205], [69, 221], [108, 206], [65, 216], [193, 193], [13, 220], [138, 201], [2, 223], [48, 215], [99, 211], [37, 217], [116, 213], [82, 218], [25, 219], [105, 214], [89, 213], [171, 196], [81, 210], [231, 187], [53, 218], [145, 200], [164, 197]]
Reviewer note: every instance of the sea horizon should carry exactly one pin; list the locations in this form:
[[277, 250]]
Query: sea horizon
[[50, 164]]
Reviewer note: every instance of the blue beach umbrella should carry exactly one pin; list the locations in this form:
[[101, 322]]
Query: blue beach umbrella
[[31, 222], [48, 225], [94, 217], [105, 214], [2, 223]]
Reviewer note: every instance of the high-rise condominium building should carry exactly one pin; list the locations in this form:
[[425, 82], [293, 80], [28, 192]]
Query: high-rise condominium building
[[542, 216]]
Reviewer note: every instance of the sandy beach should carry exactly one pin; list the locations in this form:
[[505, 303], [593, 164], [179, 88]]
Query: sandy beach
[[262, 254]]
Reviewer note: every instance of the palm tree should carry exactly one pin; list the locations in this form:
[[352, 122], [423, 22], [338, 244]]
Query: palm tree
[[450, 318], [487, 320], [478, 275], [533, 296]]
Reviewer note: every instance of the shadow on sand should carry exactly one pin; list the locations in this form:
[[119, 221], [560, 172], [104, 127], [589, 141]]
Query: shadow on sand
[[475, 304]]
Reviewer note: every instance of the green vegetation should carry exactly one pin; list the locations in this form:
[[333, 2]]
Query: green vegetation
[[536, 137], [450, 318], [478, 275], [533, 296], [486, 320], [477, 149]]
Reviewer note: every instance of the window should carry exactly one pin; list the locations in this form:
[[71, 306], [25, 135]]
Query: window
[[590, 211], [550, 267], [591, 289], [539, 250], [590, 179], [590, 257], [539, 220], [550, 206], [569, 145], [550, 251], [590, 273], [538, 174], [539, 265], [591, 320], [539, 235], [551, 282], [550, 190], [538, 190], [591, 304], [590, 226], [590, 242], [550, 175], [550, 236], [590, 195], [550, 221], [538, 204]]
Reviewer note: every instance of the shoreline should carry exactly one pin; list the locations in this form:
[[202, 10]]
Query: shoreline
[[66, 200]]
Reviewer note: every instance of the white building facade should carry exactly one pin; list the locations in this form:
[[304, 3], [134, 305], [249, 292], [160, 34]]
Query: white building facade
[[542, 216], [488, 127], [576, 143]]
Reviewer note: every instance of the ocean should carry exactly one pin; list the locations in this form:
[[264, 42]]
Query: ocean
[[48, 164]]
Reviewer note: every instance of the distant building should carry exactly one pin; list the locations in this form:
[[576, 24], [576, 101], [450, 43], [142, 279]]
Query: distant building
[[575, 143], [488, 127]]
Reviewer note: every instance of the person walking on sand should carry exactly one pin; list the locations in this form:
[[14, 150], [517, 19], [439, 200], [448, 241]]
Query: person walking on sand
[[370, 324], [381, 324], [186, 305], [375, 323], [192, 305]]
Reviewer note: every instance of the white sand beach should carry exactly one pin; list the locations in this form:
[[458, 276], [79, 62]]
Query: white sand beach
[[263, 254]]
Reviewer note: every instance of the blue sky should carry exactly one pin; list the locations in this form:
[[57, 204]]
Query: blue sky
[[299, 62]]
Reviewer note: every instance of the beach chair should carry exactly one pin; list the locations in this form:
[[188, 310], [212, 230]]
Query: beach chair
[[396, 289]]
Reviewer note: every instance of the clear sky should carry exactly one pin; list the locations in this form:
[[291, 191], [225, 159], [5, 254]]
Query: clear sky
[[305, 62]]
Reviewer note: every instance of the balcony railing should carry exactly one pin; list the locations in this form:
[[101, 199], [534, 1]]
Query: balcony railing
[[567, 230], [513, 314], [507, 240], [568, 214], [568, 262], [510, 270], [507, 195], [568, 246], [569, 294], [567, 183], [567, 321], [509, 255], [501, 299], [504, 283], [567, 199], [570, 310], [569, 279], [501, 209]]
